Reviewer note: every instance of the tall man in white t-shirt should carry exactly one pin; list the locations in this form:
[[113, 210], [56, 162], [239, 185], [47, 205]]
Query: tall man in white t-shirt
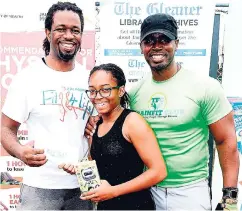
[[49, 96]]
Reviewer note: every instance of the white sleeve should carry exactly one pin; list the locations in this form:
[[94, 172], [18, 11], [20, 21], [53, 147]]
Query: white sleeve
[[16, 104]]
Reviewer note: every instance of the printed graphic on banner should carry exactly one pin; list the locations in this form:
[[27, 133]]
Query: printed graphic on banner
[[195, 21], [9, 199], [236, 103], [11, 172]]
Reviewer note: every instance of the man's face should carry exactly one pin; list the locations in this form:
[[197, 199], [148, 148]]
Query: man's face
[[65, 35], [158, 51]]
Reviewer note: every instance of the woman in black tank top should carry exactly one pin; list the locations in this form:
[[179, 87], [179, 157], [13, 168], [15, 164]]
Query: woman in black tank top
[[118, 162], [121, 145]]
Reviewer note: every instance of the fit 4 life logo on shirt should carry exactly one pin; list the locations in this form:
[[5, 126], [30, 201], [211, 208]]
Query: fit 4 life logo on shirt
[[69, 100]]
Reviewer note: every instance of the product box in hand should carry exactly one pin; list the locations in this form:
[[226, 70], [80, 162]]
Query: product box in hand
[[88, 176]]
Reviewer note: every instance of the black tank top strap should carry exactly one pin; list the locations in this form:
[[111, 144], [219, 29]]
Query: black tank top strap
[[117, 126], [120, 121]]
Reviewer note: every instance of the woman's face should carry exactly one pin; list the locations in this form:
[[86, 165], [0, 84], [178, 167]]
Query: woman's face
[[108, 97]]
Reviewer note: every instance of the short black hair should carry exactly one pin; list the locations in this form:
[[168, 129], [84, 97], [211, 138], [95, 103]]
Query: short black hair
[[60, 6], [118, 74]]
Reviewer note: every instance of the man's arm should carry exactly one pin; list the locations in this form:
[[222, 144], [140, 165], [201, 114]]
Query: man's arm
[[225, 137], [9, 140], [9, 137]]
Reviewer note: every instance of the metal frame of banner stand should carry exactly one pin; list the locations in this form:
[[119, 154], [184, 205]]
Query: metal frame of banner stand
[[213, 71]]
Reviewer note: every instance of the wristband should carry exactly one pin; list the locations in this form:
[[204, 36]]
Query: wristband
[[230, 193]]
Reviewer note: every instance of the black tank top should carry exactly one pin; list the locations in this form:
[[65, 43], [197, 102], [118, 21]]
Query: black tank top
[[118, 162]]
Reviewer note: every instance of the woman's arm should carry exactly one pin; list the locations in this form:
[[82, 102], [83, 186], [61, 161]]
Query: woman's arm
[[143, 138]]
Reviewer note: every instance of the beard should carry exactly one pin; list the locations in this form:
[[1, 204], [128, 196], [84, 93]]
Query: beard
[[162, 66], [66, 57]]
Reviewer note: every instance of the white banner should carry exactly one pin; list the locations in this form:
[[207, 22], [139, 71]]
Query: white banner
[[232, 71], [28, 15], [120, 23]]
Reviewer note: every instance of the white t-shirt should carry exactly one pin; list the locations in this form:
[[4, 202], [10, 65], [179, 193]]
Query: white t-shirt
[[55, 108]]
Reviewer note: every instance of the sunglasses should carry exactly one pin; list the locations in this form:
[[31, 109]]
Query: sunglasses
[[152, 40]]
